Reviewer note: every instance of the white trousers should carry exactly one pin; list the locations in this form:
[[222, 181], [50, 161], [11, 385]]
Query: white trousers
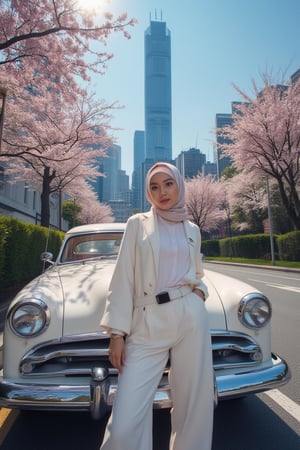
[[178, 329]]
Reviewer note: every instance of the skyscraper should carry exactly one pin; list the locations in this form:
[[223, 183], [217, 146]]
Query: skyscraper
[[138, 159], [222, 120], [138, 148], [108, 165], [158, 101]]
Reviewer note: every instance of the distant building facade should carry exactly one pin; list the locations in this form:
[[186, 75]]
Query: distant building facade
[[121, 209], [295, 76], [190, 163], [138, 148], [138, 159], [210, 168], [20, 202], [222, 120], [108, 166]]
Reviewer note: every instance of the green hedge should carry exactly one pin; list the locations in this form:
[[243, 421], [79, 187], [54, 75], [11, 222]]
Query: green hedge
[[210, 248], [250, 246], [21, 244], [289, 246], [255, 246]]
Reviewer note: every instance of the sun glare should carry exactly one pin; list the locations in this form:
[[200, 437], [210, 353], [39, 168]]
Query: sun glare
[[94, 5]]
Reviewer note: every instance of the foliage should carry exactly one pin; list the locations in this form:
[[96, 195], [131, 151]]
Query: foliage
[[58, 34], [204, 202], [247, 199], [289, 246], [254, 247], [21, 245], [70, 213], [250, 246], [211, 247], [87, 208], [265, 139], [280, 221]]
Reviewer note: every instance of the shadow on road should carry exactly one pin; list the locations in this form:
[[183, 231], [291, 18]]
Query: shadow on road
[[247, 424]]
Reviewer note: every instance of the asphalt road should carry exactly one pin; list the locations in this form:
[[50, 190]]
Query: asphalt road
[[254, 423]]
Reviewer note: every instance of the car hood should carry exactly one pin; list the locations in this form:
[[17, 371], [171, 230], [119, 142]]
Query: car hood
[[76, 294], [85, 289]]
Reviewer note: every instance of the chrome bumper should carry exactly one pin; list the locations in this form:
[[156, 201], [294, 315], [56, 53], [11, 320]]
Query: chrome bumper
[[97, 397]]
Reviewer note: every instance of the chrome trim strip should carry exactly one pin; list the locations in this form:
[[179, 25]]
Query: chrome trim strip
[[252, 348], [232, 366], [69, 346], [76, 397], [236, 385]]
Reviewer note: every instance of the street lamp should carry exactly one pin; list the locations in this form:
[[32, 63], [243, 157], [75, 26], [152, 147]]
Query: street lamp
[[2, 107]]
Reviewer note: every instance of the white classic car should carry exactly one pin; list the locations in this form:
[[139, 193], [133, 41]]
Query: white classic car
[[55, 356]]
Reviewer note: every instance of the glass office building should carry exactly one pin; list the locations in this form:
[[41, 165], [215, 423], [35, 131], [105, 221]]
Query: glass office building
[[158, 99]]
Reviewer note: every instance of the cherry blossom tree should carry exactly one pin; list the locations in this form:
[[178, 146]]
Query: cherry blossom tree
[[93, 211], [57, 34], [204, 202], [265, 140], [247, 201], [57, 145], [53, 129], [84, 207]]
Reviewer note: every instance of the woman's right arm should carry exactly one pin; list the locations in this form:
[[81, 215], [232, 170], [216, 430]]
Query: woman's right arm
[[119, 305]]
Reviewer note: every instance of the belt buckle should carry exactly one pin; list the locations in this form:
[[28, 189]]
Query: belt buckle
[[163, 297]]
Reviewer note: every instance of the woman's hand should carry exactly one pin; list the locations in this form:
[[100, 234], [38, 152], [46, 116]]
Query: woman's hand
[[200, 293], [116, 352]]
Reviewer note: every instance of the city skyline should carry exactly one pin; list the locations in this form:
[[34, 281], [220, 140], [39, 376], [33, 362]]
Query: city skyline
[[214, 44]]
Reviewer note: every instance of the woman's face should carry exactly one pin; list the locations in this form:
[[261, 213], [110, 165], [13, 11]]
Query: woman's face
[[163, 191]]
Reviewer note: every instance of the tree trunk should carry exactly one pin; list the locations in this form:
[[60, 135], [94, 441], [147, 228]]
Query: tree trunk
[[289, 206], [45, 198]]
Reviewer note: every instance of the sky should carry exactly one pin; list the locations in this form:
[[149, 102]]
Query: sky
[[214, 44]]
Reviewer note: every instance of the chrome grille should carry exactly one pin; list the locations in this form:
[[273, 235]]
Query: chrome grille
[[77, 355], [234, 350]]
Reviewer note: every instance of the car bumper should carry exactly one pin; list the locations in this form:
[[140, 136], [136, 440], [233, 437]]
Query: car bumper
[[98, 396]]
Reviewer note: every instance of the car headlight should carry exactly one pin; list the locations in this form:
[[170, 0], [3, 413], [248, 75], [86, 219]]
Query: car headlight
[[29, 318], [254, 310]]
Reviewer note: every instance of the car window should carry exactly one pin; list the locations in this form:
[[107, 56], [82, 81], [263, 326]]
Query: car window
[[88, 246]]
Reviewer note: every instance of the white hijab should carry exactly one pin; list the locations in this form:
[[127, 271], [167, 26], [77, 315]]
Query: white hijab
[[178, 212]]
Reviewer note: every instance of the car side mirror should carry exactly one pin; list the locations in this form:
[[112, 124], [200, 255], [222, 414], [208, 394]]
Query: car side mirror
[[47, 257]]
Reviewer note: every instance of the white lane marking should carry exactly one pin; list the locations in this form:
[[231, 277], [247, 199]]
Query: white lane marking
[[273, 274], [285, 402], [285, 288], [276, 275], [279, 286]]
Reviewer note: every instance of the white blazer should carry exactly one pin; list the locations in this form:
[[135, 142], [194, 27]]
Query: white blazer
[[135, 273]]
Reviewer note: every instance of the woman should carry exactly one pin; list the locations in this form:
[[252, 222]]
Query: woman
[[155, 310]]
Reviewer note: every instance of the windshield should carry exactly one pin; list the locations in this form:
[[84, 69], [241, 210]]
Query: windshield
[[87, 246]]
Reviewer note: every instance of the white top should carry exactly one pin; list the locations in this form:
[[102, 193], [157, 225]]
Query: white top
[[174, 256]]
